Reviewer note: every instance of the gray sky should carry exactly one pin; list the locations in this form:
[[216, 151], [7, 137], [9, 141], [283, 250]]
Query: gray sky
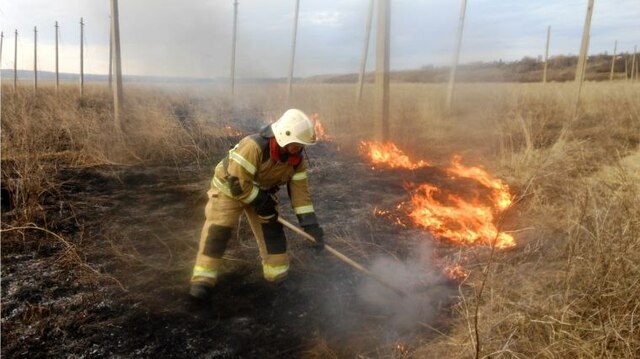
[[193, 37]]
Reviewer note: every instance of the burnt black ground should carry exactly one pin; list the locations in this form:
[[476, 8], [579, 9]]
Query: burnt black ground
[[117, 285]]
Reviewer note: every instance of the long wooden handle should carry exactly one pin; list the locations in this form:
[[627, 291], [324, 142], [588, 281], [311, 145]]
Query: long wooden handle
[[342, 257]]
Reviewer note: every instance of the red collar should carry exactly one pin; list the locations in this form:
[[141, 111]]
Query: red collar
[[274, 151]]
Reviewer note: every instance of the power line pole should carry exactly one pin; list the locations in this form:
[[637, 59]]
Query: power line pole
[[57, 68], [365, 52], [634, 65], [381, 117], [582, 60], [626, 68], [613, 60], [584, 46], [110, 56], [293, 50], [546, 56], [117, 89], [637, 70], [233, 47], [456, 58], [1, 43], [35, 59], [81, 57], [15, 63]]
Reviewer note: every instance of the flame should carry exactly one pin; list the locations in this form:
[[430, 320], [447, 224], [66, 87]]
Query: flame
[[389, 215], [232, 131], [501, 196], [457, 220], [456, 272], [390, 155], [402, 348], [447, 215], [321, 134]]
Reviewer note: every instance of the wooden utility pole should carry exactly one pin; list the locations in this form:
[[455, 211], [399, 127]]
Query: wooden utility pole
[[381, 116], [1, 43], [613, 60], [57, 68], [546, 56], [584, 46], [81, 57], [582, 60], [110, 56], [117, 89], [456, 58], [35, 59], [15, 63], [365, 52], [626, 68], [634, 65], [233, 48], [293, 50]]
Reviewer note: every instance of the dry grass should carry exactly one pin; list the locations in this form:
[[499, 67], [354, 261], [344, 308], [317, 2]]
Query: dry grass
[[42, 133], [572, 286]]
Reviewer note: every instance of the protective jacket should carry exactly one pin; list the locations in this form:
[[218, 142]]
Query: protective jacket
[[255, 164]]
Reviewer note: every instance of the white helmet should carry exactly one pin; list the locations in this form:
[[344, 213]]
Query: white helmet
[[294, 127]]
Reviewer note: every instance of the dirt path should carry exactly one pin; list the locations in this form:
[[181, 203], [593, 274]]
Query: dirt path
[[118, 285]]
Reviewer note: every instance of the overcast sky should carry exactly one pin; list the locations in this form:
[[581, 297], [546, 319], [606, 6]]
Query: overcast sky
[[193, 38]]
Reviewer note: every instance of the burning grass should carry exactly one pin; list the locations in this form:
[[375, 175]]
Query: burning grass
[[443, 212]]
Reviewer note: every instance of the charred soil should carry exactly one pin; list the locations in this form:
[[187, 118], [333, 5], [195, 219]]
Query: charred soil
[[113, 281]]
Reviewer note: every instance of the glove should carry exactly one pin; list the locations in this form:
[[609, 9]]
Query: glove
[[317, 233], [265, 206]]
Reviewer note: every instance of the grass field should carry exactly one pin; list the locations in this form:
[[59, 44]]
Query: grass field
[[570, 288]]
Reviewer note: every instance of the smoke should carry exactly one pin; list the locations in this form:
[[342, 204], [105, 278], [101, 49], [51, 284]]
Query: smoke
[[427, 290]]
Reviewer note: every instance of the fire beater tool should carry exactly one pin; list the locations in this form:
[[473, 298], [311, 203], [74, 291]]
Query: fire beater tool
[[343, 258]]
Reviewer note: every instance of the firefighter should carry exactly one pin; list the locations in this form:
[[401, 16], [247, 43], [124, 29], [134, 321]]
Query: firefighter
[[247, 180]]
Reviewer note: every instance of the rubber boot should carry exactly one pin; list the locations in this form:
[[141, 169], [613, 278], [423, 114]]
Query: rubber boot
[[200, 292]]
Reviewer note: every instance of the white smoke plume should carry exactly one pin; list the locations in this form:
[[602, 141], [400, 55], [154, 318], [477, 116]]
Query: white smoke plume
[[427, 290]]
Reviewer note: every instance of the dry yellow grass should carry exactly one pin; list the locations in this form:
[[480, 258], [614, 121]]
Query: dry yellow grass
[[572, 286], [41, 133]]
